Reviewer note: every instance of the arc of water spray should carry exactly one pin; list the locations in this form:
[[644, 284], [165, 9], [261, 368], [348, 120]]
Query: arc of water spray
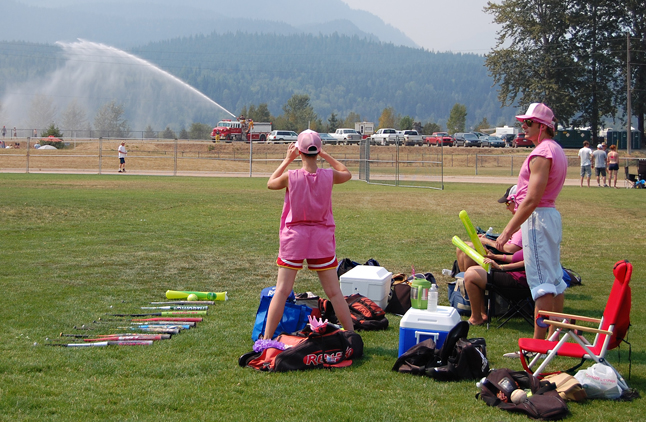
[[98, 46]]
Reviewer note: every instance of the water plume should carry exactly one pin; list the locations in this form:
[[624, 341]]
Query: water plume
[[94, 74]]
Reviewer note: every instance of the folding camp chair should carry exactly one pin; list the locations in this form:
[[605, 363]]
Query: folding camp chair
[[630, 180], [519, 300], [612, 330]]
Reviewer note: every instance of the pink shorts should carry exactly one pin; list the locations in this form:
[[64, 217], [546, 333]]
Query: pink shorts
[[321, 264]]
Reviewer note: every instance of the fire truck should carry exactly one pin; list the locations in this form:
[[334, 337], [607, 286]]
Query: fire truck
[[235, 130]]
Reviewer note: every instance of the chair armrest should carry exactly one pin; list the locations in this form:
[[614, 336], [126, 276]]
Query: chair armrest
[[568, 316], [577, 327]]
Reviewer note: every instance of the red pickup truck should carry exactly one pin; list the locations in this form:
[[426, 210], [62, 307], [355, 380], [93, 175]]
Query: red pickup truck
[[439, 138]]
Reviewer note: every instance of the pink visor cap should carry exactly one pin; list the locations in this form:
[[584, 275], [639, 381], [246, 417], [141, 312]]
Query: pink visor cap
[[309, 142], [540, 113]]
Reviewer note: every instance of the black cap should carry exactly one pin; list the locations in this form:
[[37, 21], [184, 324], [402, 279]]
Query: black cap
[[507, 193]]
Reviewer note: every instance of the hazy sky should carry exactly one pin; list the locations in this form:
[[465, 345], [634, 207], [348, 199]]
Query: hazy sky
[[440, 25]]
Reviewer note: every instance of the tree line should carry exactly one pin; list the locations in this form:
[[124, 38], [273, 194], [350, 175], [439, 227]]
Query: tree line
[[573, 56]]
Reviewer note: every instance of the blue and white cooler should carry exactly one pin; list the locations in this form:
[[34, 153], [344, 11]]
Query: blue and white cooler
[[418, 325]]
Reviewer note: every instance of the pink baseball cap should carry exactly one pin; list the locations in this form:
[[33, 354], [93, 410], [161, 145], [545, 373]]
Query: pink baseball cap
[[309, 142], [540, 113]]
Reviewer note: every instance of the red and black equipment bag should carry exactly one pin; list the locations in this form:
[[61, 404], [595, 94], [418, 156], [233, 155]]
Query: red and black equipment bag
[[333, 348], [365, 313]]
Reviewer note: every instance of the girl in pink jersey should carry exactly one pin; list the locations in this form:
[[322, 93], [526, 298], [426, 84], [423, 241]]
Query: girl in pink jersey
[[540, 181], [307, 226]]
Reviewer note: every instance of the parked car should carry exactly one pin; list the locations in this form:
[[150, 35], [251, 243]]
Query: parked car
[[466, 140], [480, 135], [509, 139], [384, 136], [439, 138], [327, 138], [280, 136], [521, 141], [347, 136], [412, 138], [492, 141]]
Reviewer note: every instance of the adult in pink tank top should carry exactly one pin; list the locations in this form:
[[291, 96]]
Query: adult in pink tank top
[[540, 181], [307, 226]]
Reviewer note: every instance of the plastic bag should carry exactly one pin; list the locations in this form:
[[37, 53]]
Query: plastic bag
[[599, 382]]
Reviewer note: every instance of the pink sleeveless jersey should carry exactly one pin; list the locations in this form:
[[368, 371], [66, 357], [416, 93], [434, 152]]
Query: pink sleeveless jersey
[[306, 224], [552, 151]]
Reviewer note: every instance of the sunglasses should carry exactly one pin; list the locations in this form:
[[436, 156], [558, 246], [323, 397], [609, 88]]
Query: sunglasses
[[528, 122]]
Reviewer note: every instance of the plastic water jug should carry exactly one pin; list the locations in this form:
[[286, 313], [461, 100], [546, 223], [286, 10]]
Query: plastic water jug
[[432, 298], [419, 292]]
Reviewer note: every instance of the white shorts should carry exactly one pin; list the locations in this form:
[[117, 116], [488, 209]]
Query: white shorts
[[542, 234]]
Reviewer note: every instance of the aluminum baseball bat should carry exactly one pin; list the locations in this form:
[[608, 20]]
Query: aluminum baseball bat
[[178, 308], [164, 314]]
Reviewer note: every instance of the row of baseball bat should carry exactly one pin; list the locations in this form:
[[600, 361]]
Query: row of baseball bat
[[145, 328]]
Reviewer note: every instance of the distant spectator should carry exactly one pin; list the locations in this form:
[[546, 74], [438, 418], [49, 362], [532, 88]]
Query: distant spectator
[[600, 158], [122, 157], [4, 131], [613, 165], [585, 154], [15, 132]]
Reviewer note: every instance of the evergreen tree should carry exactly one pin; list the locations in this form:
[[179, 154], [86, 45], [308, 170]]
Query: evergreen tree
[[484, 124], [406, 123], [149, 133], [635, 23], [298, 113], [593, 28], [351, 119], [109, 121], [183, 133], [42, 112], [200, 131], [261, 114], [531, 61], [457, 119], [430, 127], [74, 119], [332, 123], [52, 130], [167, 133]]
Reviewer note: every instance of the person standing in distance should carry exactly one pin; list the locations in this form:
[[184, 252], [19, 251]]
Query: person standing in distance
[[600, 157], [307, 226], [540, 181], [613, 165], [122, 157], [585, 154]]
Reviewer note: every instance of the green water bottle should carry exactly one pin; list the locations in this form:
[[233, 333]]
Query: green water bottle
[[419, 292]]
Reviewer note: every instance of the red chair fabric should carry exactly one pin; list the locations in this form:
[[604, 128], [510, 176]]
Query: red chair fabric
[[616, 319]]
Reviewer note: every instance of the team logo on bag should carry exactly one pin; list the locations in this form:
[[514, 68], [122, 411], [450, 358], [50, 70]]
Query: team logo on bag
[[321, 358], [314, 359], [348, 352]]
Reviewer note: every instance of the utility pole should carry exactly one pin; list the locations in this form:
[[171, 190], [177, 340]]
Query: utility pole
[[628, 108]]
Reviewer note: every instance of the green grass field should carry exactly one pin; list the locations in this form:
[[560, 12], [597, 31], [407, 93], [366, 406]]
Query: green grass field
[[75, 248]]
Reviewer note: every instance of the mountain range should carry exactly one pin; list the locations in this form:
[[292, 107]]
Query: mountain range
[[125, 24], [236, 54]]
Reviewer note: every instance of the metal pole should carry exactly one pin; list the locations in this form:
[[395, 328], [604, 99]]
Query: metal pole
[[250, 155], [175, 160], [442, 169], [100, 153], [628, 110], [476, 164], [28, 139]]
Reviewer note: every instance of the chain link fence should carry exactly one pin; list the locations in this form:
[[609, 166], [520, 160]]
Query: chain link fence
[[405, 166]]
